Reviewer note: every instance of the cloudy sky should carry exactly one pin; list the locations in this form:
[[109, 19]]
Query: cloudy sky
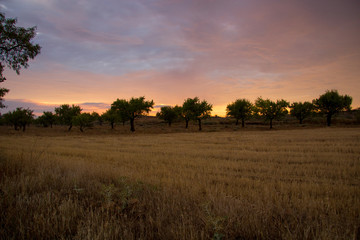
[[95, 51]]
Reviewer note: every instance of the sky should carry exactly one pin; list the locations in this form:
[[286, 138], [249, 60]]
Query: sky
[[95, 51]]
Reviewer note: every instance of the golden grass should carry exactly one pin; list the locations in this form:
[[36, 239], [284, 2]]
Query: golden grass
[[289, 184]]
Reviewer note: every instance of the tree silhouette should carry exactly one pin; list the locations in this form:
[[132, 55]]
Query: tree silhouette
[[169, 114], [132, 109], [19, 118], [240, 109], [195, 109], [66, 113], [331, 102], [96, 118], [3, 91], [271, 110], [123, 114], [186, 111], [111, 116], [15, 48], [48, 118], [83, 120], [301, 110]]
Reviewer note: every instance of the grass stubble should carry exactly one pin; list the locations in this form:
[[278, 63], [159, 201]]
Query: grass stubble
[[289, 184]]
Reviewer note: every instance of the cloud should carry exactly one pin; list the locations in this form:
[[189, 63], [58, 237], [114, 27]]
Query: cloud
[[3, 7], [39, 108], [171, 50]]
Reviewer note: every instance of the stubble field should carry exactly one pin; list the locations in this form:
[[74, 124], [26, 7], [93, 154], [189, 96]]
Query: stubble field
[[284, 184]]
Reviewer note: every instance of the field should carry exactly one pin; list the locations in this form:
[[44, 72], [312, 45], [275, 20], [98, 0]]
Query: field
[[251, 184]]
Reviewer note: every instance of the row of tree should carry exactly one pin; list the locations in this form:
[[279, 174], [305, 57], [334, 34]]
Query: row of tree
[[329, 104], [194, 109]]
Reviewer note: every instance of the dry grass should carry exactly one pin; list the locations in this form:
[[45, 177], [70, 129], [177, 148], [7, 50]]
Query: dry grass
[[289, 184]]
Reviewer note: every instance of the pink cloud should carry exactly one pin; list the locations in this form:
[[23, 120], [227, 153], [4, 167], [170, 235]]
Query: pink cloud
[[171, 50]]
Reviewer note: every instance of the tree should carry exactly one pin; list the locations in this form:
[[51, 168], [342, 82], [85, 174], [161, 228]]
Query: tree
[[83, 120], [3, 91], [271, 110], [331, 102], [19, 118], [240, 109], [66, 113], [195, 109], [96, 117], [169, 114], [111, 116], [301, 110], [15, 48], [123, 115], [187, 112], [48, 118], [132, 109]]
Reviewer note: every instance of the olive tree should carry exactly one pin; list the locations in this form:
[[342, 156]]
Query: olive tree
[[240, 109], [65, 113], [196, 110], [271, 110], [96, 118], [19, 118], [331, 102], [132, 109], [16, 48], [47, 119], [301, 110], [83, 120], [111, 116], [169, 114]]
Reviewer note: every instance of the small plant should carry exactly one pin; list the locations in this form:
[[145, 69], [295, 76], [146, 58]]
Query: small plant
[[215, 222], [108, 193]]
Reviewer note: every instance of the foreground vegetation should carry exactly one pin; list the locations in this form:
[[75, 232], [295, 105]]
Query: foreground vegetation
[[289, 184]]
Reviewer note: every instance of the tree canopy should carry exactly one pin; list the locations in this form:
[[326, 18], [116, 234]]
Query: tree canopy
[[271, 110], [19, 118], [132, 109], [240, 109], [301, 110], [47, 119], [15, 48], [169, 114], [84, 120], [66, 113], [195, 109], [3, 91], [111, 116], [331, 102]]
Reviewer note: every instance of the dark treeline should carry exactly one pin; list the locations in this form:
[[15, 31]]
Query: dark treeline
[[192, 109]]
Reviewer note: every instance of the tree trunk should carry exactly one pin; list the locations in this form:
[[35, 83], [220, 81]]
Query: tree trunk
[[123, 123], [24, 126], [51, 125], [328, 119], [70, 127], [112, 125], [271, 123], [242, 122], [169, 123], [199, 120], [81, 129], [187, 123], [301, 120], [132, 127], [237, 122]]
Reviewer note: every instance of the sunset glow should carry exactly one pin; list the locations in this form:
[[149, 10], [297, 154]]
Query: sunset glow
[[169, 50]]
